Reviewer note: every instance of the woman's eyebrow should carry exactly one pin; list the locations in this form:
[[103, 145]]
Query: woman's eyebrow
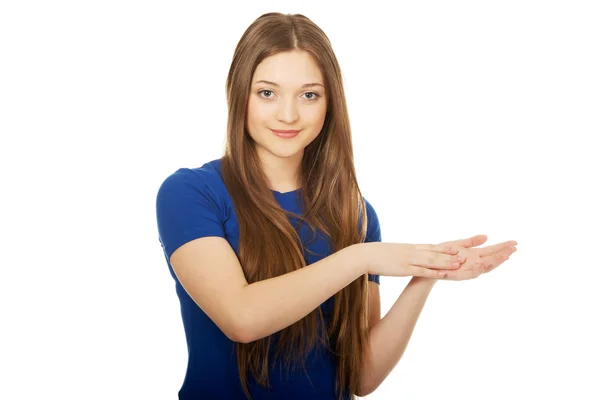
[[306, 85]]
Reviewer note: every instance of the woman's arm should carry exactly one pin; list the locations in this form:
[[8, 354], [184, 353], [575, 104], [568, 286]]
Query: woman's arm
[[389, 338], [210, 272], [272, 304]]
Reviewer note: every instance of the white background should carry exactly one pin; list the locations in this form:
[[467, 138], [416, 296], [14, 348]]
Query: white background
[[468, 117]]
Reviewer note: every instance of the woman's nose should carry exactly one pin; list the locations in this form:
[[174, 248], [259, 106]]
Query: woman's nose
[[287, 111]]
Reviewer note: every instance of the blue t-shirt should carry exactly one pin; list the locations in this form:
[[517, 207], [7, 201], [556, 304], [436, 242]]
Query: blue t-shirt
[[193, 203]]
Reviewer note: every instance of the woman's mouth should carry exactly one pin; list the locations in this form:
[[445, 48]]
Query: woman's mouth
[[285, 133]]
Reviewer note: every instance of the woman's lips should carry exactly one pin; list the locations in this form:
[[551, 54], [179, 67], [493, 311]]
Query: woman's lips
[[287, 133]]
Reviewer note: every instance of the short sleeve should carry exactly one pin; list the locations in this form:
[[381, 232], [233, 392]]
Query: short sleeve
[[186, 209], [373, 232]]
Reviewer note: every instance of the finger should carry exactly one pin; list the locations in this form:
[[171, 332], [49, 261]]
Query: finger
[[490, 250], [495, 264], [438, 248], [498, 259], [473, 241]]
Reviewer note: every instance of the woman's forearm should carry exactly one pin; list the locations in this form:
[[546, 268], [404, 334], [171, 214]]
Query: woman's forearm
[[389, 337], [273, 304]]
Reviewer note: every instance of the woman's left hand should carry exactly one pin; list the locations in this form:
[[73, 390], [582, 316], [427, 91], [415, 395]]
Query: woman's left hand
[[478, 260]]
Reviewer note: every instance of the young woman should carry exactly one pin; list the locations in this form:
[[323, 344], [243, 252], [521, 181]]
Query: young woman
[[276, 254]]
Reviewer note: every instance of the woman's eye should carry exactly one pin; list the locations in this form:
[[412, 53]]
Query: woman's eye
[[266, 91], [313, 96]]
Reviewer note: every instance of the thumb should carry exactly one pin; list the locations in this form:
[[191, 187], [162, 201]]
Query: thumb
[[474, 241]]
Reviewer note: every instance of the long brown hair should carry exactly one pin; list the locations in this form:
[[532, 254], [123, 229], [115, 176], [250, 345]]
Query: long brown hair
[[332, 202]]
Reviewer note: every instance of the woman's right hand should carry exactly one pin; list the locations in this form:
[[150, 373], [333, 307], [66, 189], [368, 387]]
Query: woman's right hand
[[401, 259]]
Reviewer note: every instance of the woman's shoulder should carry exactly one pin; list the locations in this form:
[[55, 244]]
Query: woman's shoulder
[[207, 172], [206, 177], [190, 187]]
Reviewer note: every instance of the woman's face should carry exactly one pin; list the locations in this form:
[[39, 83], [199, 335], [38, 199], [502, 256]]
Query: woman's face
[[287, 93]]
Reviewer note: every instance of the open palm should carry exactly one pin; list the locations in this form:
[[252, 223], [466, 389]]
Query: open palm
[[478, 260]]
